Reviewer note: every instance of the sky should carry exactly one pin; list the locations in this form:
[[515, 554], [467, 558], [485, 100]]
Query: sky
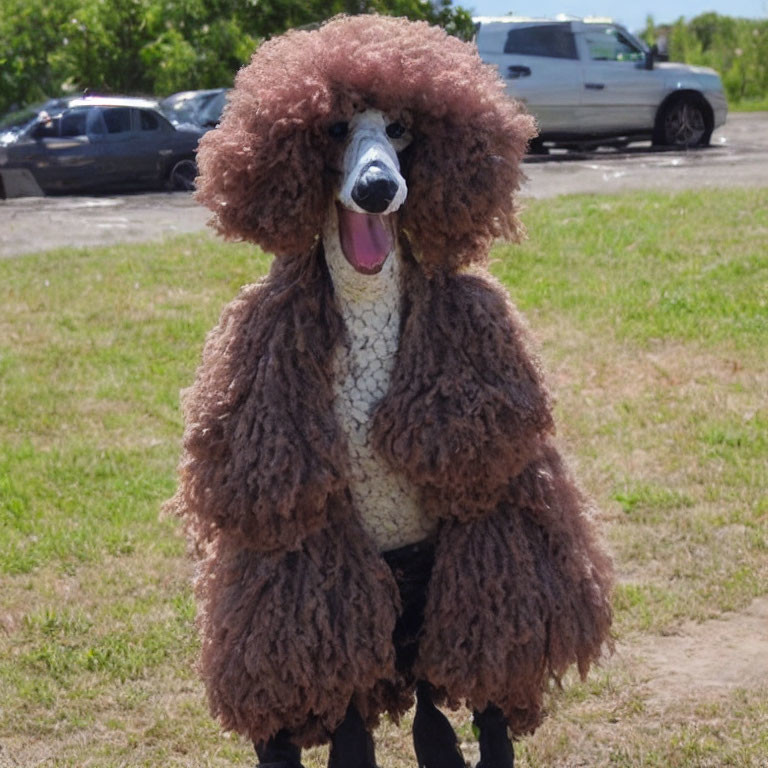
[[631, 13]]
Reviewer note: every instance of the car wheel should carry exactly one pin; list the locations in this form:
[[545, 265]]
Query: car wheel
[[682, 123], [182, 176]]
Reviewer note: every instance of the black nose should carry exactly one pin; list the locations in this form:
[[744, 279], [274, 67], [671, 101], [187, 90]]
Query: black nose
[[375, 188]]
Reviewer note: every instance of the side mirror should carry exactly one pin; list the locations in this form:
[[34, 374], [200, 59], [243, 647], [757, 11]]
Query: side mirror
[[650, 56], [657, 55]]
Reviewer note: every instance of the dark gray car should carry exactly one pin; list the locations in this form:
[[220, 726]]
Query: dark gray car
[[99, 144]]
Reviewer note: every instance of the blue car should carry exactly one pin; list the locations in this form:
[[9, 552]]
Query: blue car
[[95, 144]]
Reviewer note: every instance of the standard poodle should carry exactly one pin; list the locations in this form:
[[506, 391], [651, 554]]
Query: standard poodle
[[369, 477]]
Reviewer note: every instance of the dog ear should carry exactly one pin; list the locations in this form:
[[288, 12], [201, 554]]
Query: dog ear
[[462, 180], [263, 169], [265, 181]]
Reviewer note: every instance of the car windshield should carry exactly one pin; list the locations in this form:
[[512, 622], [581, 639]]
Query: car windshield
[[211, 113], [18, 119], [185, 108]]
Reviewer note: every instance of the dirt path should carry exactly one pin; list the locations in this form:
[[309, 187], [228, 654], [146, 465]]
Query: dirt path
[[673, 676], [30, 224], [706, 659]]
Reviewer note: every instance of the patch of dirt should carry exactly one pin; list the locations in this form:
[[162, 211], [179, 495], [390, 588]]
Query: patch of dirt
[[30, 224], [705, 659], [6, 761]]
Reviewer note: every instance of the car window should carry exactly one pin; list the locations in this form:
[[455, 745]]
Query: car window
[[73, 123], [180, 109], [610, 44], [213, 109], [148, 120], [117, 119], [94, 123], [552, 40], [46, 129]]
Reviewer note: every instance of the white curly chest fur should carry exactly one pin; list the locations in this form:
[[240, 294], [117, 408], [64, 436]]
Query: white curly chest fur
[[370, 306]]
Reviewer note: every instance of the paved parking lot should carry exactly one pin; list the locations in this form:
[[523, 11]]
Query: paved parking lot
[[738, 157]]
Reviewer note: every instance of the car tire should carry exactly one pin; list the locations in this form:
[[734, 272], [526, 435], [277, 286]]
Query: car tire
[[683, 123], [182, 176]]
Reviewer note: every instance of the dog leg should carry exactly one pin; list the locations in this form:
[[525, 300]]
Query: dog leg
[[279, 752], [496, 750], [434, 741], [351, 743]]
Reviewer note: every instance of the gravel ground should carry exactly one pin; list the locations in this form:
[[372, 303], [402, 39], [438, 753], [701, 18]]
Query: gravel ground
[[738, 157]]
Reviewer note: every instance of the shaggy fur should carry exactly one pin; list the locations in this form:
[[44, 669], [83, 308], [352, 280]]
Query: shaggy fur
[[291, 637], [529, 600], [297, 607], [272, 161], [466, 402], [261, 456]]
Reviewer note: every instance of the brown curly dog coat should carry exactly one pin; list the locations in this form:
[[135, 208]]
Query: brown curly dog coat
[[297, 605]]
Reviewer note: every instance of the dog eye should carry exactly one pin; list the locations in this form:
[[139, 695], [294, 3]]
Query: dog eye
[[339, 130], [395, 130]]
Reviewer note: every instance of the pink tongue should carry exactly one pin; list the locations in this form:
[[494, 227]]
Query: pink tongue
[[365, 239]]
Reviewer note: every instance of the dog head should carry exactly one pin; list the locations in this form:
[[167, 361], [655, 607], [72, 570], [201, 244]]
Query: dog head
[[370, 189], [379, 117]]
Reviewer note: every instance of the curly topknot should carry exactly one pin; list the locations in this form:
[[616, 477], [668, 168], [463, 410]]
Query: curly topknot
[[267, 172]]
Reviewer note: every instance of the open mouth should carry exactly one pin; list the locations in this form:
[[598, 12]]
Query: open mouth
[[366, 239]]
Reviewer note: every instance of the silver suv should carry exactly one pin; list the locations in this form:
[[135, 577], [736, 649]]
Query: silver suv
[[591, 82]]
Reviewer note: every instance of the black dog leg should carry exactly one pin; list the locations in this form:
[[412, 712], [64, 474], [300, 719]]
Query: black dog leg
[[496, 749], [434, 741], [352, 743], [278, 752]]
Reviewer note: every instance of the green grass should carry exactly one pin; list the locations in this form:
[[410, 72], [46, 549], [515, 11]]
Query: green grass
[[94, 347], [652, 313], [641, 268], [749, 105]]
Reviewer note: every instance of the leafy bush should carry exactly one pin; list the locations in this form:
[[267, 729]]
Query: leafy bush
[[51, 47], [736, 48]]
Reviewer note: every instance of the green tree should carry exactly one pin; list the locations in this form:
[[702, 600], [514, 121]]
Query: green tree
[[104, 45], [649, 34], [160, 46], [31, 62], [736, 48]]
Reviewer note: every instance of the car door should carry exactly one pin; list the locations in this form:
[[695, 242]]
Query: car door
[[118, 146], [620, 94], [154, 149], [79, 158], [539, 63], [59, 153]]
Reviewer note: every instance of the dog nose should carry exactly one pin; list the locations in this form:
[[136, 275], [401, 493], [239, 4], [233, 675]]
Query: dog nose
[[375, 188]]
